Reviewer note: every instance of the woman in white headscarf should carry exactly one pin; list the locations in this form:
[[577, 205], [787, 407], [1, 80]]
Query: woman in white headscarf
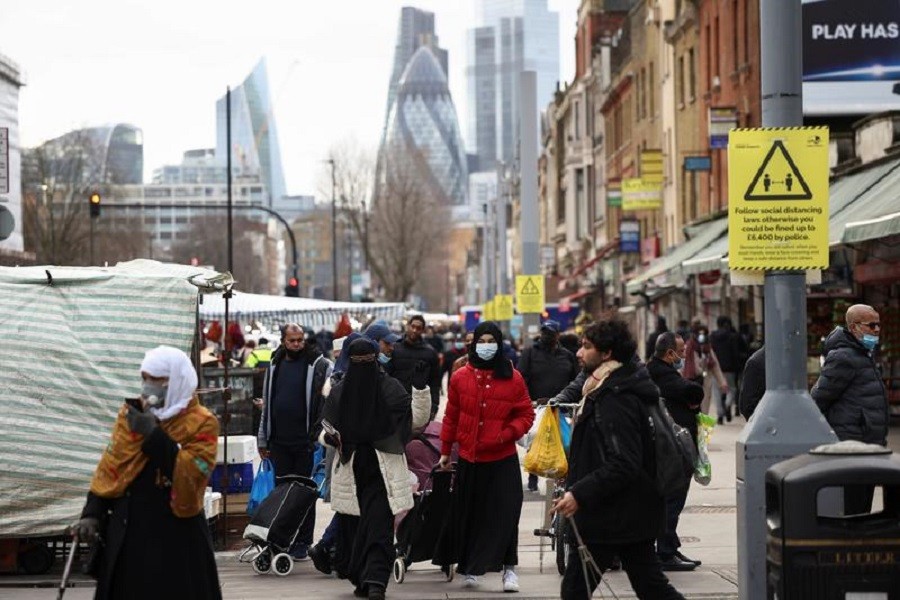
[[146, 497]]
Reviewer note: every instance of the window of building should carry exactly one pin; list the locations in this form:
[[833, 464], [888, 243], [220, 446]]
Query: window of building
[[680, 81], [576, 113], [651, 90], [716, 53], [692, 76], [709, 61]]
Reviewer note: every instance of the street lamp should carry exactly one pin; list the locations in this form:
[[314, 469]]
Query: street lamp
[[334, 275]]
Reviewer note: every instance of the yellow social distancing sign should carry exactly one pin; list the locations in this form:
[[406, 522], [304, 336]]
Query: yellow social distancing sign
[[530, 294], [503, 307], [778, 198]]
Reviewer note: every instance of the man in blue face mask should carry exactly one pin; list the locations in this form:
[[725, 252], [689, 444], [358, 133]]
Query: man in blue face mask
[[850, 391], [682, 398]]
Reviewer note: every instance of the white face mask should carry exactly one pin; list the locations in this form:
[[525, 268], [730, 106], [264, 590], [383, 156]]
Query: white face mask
[[154, 394], [486, 350]]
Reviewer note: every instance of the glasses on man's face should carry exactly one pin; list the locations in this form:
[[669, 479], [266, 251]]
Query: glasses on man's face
[[872, 325]]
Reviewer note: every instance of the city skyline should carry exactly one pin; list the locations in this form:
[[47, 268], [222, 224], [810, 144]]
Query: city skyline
[[164, 76]]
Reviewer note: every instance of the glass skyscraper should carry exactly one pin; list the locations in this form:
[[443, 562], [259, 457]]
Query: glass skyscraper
[[254, 136], [511, 36], [423, 132]]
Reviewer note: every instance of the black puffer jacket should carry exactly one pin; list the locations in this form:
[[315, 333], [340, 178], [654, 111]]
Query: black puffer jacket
[[611, 459], [682, 396], [416, 365], [547, 372], [850, 392]]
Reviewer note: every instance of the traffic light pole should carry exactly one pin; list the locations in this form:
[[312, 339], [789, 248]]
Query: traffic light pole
[[91, 256], [185, 205]]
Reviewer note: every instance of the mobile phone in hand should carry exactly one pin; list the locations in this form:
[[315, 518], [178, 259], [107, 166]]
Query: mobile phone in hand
[[135, 402]]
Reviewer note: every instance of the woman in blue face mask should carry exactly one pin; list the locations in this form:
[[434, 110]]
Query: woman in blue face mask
[[488, 409]]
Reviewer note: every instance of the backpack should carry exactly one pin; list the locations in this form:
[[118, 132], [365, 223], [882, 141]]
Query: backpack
[[673, 449]]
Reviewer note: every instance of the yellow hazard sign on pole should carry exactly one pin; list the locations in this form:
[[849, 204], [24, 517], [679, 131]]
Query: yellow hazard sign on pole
[[778, 198], [487, 314], [503, 307], [530, 294]]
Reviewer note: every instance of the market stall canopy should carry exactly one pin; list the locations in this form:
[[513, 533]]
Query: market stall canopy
[[73, 341], [309, 312]]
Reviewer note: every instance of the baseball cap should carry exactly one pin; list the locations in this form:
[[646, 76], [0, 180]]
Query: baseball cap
[[550, 325], [378, 332]]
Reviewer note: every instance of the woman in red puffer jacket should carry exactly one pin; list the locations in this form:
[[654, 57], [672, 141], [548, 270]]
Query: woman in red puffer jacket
[[488, 409]]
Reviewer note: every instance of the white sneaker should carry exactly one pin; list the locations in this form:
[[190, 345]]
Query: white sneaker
[[510, 581], [471, 581]]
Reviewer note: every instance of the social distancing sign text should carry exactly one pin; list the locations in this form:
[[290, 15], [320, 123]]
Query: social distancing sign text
[[530, 294], [778, 198]]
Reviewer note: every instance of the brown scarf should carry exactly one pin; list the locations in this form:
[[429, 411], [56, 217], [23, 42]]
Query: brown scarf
[[594, 381], [195, 429]]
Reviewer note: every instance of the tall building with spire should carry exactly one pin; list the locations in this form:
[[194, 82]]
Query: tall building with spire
[[254, 135], [511, 36]]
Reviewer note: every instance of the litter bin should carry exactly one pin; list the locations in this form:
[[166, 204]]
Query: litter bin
[[819, 550]]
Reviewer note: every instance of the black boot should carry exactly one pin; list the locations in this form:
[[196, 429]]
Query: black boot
[[376, 592]]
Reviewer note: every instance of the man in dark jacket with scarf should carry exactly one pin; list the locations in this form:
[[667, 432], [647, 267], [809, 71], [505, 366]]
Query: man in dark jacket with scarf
[[850, 391], [682, 398], [611, 490], [416, 364], [291, 408]]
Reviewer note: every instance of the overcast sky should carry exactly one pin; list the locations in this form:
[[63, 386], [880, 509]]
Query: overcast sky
[[161, 65]]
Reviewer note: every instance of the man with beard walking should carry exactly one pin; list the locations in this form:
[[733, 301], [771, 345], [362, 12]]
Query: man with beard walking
[[611, 491], [416, 364], [292, 405]]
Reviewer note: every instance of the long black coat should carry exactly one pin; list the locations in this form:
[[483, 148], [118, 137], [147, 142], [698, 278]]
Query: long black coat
[[610, 462], [150, 553], [850, 392], [417, 365], [682, 396]]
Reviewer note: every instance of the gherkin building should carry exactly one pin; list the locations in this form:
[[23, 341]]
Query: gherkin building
[[422, 134]]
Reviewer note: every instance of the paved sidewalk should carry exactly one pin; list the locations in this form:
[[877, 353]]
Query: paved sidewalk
[[708, 528]]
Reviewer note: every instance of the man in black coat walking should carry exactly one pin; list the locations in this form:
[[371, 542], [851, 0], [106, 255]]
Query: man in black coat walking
[[753, 383], [682, 398], [416, 364], [611, 492]]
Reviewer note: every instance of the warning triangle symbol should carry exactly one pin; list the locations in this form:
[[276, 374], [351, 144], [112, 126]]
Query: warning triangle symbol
[[529, 288], [778, 178]]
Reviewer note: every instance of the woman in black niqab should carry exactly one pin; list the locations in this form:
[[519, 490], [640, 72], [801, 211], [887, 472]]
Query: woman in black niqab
[[364, 416]]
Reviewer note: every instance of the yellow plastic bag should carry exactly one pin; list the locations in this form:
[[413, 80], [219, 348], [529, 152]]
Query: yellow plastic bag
[[547, 457]]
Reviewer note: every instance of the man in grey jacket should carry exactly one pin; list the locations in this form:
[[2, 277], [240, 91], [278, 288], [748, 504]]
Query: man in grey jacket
[[850, 391]]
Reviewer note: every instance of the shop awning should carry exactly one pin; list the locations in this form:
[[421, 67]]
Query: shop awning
[[708, 259], [666, 270], [872, 229], [864, 205]]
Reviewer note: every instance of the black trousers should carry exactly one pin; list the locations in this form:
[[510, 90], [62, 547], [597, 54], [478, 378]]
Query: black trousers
[[639, 561], [296, 460], [373, 553], [668, 543]]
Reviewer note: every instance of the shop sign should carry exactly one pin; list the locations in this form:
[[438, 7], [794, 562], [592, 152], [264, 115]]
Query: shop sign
[[649, 249], [629, 237], [638, 194], [778, 198], [614, 193], [652, 166], [722, 119], [697, 163]]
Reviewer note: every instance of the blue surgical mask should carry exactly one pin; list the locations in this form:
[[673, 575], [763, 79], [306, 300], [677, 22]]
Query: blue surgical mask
[[869, 341], [383, 358], [678, 364], [460, 345], [154, 394], [486, 351]]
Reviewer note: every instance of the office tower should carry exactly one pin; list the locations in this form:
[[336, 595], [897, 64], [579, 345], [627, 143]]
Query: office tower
[[254, 136], [511, 36]]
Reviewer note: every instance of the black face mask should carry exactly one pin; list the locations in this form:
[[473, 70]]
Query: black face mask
[[548, 338], [293, 354]]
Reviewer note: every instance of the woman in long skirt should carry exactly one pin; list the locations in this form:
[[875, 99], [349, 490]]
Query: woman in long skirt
[[488, 409]]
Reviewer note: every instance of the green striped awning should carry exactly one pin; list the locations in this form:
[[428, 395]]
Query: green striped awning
[[72, 342]]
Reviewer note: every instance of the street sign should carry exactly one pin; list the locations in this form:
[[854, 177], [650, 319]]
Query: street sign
[[530, 294], [503, 307], [697, 163], [778, 198], [4, 160], [638, 194], [487, 313], [629, 236]]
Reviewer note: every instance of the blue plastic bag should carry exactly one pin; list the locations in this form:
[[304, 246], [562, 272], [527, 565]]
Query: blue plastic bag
[[565, 431], [319, 474], [263, 484]]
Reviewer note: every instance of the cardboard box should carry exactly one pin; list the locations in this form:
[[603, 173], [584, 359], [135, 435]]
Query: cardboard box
[[241, 449]]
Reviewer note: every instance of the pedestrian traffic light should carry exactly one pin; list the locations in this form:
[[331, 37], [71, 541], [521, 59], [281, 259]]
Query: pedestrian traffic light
[[292, 288], [95, 205]]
